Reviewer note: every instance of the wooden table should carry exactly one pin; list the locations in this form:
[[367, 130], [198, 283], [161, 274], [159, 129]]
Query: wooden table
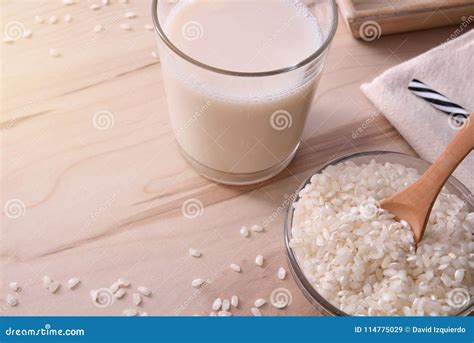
[[104, 204]]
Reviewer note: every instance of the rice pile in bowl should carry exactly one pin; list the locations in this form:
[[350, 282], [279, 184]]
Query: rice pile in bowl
[[363, 261]]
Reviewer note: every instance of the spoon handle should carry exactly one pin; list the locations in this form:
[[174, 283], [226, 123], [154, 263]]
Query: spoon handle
[[457, 149]]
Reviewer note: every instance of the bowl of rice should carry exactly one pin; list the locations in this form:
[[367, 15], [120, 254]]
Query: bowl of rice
[[350, 257]]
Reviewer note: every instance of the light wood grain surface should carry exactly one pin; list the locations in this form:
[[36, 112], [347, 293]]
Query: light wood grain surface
[[403, 15], [104, 204]]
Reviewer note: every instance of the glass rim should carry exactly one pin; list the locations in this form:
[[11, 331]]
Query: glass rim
[[305, 286], [305, 61]]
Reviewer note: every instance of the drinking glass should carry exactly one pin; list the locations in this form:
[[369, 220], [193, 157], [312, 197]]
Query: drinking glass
[[239, 126]]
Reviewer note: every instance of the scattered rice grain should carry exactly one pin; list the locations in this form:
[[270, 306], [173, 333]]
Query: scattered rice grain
[[14, 286], [197, 282], [54, 286], [216, 305], [73, 282], [123, 282], [120, 293], [234, 301], [224, 314], [130, 312], [137, 299], [260, 302], [256, 312], [194, 252], [244, 231], [144, 291], [281, 273], [225, 305], [12, 300], [235, 267], [46, 281]]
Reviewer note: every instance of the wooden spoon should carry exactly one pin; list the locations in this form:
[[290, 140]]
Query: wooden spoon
[[414, 203]]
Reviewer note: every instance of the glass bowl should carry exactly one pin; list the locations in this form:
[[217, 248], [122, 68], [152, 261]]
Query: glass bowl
[[324, 306]]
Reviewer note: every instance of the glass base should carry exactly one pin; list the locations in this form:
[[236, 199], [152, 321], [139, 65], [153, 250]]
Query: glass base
[[237, 179]]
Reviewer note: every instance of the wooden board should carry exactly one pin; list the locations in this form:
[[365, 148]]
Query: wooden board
[[404, 15], [104, 204]]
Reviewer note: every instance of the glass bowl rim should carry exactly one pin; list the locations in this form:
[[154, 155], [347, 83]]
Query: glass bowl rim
[[316, 54], [298, 275]]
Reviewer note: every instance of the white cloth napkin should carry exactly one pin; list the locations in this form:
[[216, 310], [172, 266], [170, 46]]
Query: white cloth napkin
[[448, 69]]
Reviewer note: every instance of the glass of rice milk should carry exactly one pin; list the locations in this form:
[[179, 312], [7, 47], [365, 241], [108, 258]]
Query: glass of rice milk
[[240, 76]]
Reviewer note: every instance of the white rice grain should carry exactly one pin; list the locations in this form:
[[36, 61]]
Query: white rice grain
[[225, 305], [123, 282], [53, 52], [224, 314], [281, 273], [125, 27], [256, 312], [244, 231], [216, 305], [115, 287], [194, 252], [73, 282], [137, 299], [234, 301], [197, 282], [362, 260], [54, 286], [130, 312], [120, 293], [14, 286], [144, 291], [12, 300]]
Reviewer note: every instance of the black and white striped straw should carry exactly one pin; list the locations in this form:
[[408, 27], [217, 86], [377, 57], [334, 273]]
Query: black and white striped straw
[[437, 99]]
